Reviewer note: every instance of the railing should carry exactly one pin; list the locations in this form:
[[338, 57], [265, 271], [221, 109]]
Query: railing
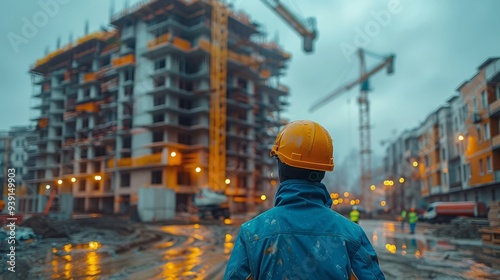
[[166, 38], [124, 60], [138, 161], [89, 77]]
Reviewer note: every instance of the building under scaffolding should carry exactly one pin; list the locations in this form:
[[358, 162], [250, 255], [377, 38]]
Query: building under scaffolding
[[130, 108]]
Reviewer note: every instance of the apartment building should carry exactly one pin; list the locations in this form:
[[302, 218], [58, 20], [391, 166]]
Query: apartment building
[[14, 155], [129, 108], [459, 143], [401, 167], [433, 151], [481, 95]]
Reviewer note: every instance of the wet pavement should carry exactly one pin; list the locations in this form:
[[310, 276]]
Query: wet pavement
[[431, 257], [194, 251]]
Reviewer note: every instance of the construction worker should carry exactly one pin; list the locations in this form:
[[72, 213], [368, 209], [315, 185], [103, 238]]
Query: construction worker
[[354, 215], [403, 219], [301, 237], [412, 220]]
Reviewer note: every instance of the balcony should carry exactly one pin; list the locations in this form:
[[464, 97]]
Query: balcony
[[123, 61], [89, 78], [495, 142], [152, 159], [494, 108]]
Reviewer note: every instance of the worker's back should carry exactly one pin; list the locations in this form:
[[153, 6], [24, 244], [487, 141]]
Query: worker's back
[[302, 238]]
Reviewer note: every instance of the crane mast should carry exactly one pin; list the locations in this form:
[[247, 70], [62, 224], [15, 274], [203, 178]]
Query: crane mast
[[306, 28], [364, 118], [218, 96]]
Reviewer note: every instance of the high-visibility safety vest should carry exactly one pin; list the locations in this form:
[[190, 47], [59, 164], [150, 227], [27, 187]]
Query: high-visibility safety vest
[[412, 217], [403, 214], [354, 215]]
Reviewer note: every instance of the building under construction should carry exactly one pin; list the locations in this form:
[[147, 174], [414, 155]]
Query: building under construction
[[146, 103]]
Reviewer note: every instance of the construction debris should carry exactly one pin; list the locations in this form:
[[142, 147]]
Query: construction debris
[[461, 228], [42, 225], [494, 214]]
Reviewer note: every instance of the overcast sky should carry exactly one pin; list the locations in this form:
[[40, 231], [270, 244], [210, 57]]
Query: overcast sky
[[438, 45]]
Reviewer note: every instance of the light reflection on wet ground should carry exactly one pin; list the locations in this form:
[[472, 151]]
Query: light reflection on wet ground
[[465, 259], [189, 252], [200, 252]]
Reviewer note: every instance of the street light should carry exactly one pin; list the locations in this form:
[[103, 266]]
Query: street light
[[73, 179], [59, 182], [460, 137], [263, 197], [415, 164], [47, 187], [382, 203], [346, 194], [173, 154], [97, 178], [228, 181], [401, 180], [372, 187], [198, 169]]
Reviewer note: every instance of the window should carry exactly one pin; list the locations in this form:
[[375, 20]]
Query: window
[[83, 168], [156, 177], [498, 92], [183, 178], [158, 118], [484, 99], [82, 185], [86, 93], [160, 64], [443, 154], [479, 136], [159, 81], [159, 100], [481, 167], [97, 185], [127, 142], [125, 180], [158, 136], [475, 104], [184, 139], [487, 131], [129, 75], [97, 166], [488, 164]]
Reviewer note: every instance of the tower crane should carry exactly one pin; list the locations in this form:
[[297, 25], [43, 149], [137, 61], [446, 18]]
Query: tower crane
[[218, 78], [306, 28], [364, 116]]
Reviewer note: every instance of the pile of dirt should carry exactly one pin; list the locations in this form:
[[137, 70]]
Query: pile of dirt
[[460, 228], [47, 228]]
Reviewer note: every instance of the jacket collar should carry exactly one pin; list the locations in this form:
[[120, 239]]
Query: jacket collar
[[297, 191]]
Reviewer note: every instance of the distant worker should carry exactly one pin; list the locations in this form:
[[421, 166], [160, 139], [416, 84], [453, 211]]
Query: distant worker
[[301, 237], [354, 215], [412, 220], [403, 219]]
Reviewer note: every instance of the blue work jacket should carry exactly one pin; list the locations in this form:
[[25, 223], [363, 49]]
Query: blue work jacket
[[302, 238]]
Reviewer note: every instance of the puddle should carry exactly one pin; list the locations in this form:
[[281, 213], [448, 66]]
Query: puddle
[[468, 258]]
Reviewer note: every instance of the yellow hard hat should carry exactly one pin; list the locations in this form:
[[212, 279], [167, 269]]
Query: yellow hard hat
[[304, 144]]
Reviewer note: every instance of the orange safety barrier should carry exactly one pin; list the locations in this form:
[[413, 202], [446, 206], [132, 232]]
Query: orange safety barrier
[[43, 122], [124, 60], [88, 77], [87, 107]]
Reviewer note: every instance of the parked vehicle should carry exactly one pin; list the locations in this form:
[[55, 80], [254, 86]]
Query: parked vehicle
[[446, 211], [211, 203]]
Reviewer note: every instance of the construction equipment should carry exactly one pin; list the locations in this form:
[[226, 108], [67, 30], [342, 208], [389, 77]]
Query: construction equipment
[[218, 76], [306, 28], [364, 116], [211, 203]]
